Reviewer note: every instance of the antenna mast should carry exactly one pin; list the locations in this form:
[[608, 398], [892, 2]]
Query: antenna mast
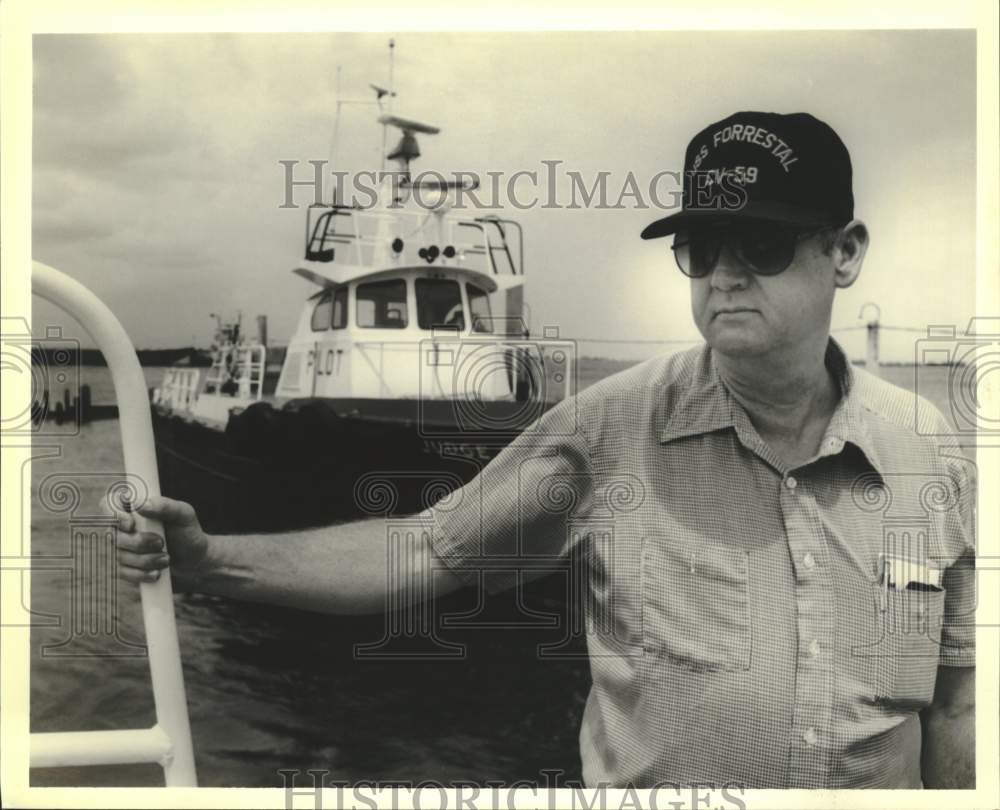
[[392, 72], [392, 92], [336, 137]]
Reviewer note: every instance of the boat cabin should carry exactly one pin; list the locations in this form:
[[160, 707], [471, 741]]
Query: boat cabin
[[406, 299]]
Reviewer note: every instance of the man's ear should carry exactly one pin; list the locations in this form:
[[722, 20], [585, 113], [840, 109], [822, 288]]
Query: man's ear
[[848, 252]]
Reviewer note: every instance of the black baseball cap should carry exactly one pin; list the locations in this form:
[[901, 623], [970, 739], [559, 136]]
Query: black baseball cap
[[791, 169]]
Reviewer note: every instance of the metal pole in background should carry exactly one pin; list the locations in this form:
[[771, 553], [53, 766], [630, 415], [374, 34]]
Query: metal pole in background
[[871, 347], [140, 460]]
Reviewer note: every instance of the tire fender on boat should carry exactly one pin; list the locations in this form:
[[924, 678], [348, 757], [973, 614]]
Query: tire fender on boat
[[313, 429], [254, 432]]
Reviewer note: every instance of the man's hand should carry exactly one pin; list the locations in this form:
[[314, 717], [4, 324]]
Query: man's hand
[[143, 555], [949, 731]]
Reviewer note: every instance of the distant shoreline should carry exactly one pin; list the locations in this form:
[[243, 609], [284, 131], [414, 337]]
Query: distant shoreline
[[62, 355], [202, 358]]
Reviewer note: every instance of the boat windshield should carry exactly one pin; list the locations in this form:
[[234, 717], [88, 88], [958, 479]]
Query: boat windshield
[[382, 304], [439, 303], [479, 308], [331, 310]]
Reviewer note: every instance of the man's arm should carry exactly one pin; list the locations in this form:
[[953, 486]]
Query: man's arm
[[336, 569], [948, 758]]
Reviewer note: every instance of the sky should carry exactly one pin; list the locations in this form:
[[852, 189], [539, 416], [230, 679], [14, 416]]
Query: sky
[[157, 182]]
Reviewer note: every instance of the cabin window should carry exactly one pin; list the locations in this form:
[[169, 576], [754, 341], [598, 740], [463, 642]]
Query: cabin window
[[331, 310], [479, 308], [382, 304], [439, 303], [321, 314], [339, 320]]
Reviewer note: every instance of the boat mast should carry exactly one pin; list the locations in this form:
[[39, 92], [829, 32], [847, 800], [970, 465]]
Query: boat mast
[[341, 101], [392, 72], [391, 94], [336, 137]]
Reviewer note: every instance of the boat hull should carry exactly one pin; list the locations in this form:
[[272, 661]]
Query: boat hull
[[316, 462]]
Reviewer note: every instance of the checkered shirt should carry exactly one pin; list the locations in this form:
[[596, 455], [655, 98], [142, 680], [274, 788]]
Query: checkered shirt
[[736, 625]]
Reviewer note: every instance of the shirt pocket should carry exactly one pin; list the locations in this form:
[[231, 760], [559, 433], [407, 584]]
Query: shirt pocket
[[696, 603], [903, 661]]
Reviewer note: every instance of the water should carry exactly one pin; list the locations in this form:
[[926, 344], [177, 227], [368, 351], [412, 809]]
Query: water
[[272, 689], [269, 688]]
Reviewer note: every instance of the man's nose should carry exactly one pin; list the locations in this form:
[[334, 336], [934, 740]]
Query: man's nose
[[729, 272]]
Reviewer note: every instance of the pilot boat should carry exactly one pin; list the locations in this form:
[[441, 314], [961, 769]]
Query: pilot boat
[[410, 367]]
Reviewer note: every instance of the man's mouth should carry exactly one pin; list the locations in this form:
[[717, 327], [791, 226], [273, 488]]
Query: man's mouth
[[733, 310]]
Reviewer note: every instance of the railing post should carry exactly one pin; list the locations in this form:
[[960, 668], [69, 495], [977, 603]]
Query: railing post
[[871, 347], [871, 352], [140, 460]]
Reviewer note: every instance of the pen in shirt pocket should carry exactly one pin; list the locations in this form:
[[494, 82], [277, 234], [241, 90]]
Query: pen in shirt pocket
[[905, 574], [883, 582]]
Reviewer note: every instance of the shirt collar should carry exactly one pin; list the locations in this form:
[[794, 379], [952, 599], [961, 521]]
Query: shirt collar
[[707, 406]]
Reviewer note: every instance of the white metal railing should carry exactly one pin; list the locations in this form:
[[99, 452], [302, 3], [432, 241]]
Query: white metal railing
[[167, 743], [244, 365], [361, 238], [179, 388]]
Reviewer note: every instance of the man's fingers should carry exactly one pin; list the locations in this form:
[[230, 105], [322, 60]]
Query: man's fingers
[[126, 522], [142, 554], [143, 562], [141, 542], [137, 577], [166, 509]]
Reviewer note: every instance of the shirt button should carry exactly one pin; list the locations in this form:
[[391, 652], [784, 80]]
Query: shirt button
[[814, 648], [809, 561], [790, 482], [810, 736]]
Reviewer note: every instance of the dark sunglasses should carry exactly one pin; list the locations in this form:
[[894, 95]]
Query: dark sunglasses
[[763, 248]]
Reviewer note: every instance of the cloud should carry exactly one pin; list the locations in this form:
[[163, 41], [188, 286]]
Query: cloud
[[64, 226], [105, 107], [119, 160], [74, 69]]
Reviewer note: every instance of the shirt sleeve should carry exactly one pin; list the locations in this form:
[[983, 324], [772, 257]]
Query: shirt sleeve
[[958, 631], [513, 522]]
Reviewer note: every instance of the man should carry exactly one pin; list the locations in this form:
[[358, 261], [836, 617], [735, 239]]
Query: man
[[773, 598]]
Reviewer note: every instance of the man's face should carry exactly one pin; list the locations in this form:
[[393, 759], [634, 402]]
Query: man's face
[[741, 313]]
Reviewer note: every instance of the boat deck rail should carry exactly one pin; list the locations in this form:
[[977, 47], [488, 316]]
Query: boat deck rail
[[179, 388], [236, 369], [381, 238], [168, 741]]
